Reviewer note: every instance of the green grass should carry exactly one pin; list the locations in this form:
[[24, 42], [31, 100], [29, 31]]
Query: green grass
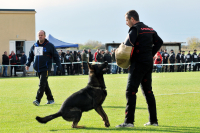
[[178, 109]]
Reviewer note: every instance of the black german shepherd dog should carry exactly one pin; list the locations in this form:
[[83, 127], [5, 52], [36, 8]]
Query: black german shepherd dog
[[90, 97]]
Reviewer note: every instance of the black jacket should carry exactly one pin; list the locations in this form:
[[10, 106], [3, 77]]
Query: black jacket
[[78, 57], [43, 62], [194, 57], [144, 41], [178, 57], [90, 57], [188, 58], [107, 57], [5, 60], [165, 57], [183, 58], [23, 59], [99, 57], [172, 58]]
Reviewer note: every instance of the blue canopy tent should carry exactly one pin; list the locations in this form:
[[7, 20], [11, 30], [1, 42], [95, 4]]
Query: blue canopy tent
[[60, 44]]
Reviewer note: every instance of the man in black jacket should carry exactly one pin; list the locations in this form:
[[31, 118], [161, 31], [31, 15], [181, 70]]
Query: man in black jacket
[[194, 59], [41, 53], [172, 60], [90, 55], [140, 37], [165, 57], [107, 57], [183, 60], [5, 61], [189, 60], [178, 58]]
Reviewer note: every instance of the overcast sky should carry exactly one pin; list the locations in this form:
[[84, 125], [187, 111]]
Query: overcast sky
[[77, 21]]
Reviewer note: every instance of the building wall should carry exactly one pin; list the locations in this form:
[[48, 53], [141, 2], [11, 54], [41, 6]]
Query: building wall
[[16, 26]]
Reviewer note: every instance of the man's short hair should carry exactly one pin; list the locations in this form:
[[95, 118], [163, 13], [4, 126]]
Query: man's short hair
[[43, 31], [134, 14]]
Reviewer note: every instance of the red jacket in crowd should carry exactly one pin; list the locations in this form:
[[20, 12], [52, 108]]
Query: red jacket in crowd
[[10, 56], [158, 61]]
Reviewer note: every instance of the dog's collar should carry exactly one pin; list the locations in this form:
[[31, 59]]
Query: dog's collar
[[101, 88]]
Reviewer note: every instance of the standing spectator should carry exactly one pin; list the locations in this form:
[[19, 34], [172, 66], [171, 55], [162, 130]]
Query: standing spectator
[[62, 54], [183, 60], [114, 66], [198, 62], [99, 57], [165, 57], [5, 61], [107, 57], [85, 60], [23, 62], [95, 55], [79, 59], [69, 59], [42, 57], [62, 60], [172, 60], [189, 60], [178, 58], [90, 55], [13, 61], [75, 68], [194, 59], [158, 60]]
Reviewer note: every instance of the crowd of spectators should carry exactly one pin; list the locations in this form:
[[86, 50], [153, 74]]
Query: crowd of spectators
[[165, 61], [75, 62]]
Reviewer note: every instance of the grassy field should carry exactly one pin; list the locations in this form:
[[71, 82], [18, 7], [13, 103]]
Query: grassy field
[[177, 96]]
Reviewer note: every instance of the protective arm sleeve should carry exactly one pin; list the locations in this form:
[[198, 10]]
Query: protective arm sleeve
[[31, 56], [157, 41]]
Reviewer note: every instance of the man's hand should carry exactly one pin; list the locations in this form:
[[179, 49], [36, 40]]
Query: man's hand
[[27, 68]]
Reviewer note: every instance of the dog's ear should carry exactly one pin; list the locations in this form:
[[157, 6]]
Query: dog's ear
[[89, 65]]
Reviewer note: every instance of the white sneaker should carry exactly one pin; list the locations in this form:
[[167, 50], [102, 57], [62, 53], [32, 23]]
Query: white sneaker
[[125, 125], [151, 124]]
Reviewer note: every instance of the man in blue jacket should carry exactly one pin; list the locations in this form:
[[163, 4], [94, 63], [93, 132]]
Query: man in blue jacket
[[42, 53], [23, 62]]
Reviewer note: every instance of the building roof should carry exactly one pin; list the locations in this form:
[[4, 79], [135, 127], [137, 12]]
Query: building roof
[[17, 9]]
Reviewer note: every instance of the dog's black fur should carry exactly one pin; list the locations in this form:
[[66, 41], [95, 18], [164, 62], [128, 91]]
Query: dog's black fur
[[90, 97]]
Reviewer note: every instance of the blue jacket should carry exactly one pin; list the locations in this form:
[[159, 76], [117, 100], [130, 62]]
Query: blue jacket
[[23, 59], [44, 62]]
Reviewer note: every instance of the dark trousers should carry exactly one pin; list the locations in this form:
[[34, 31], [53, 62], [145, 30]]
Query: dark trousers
[[85, 67], [43, 87], [171, 68], [194, 67], [69, 69], [183, 68], [179, 67], [165, 66], [198, 65], [15, 68], [63, 69], [140, 74], [24, 71], [125, 70]]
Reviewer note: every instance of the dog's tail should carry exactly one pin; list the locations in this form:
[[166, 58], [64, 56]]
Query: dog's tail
[[48, 118]]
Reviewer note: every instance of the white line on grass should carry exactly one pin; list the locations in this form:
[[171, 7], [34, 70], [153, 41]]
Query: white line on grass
[[176, 93]]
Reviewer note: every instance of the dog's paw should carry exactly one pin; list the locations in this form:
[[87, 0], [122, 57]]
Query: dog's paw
[[107, 124]]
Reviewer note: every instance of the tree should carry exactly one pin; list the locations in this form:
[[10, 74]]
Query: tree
[[90, 44], [193, 42]]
